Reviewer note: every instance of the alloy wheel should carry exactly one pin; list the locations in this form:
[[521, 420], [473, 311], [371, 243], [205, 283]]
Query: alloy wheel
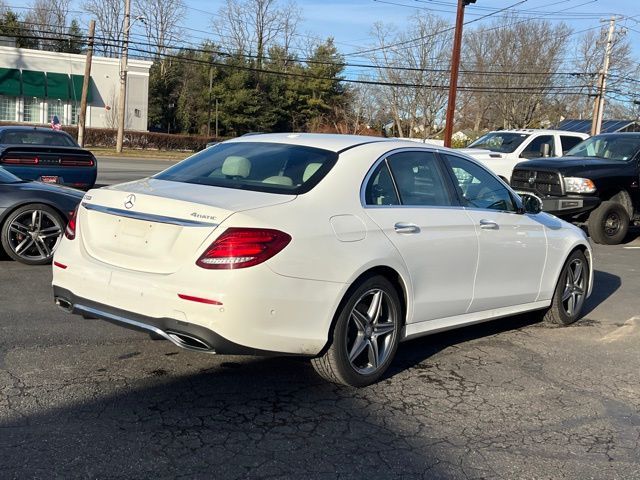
[[574, 290], [371, 331], [34, 234]]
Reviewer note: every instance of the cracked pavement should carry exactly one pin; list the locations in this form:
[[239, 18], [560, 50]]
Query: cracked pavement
[[508, 399]]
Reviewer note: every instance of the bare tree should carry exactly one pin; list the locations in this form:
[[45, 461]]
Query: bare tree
[[109, 15], [417, 108], [251, 27], [510, 73], [161, 22], [49, 19]]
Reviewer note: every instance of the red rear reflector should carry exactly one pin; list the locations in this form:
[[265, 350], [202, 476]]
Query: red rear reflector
[[21, 160], [60, 265], [70, 231], [198, 299], [243, 247]]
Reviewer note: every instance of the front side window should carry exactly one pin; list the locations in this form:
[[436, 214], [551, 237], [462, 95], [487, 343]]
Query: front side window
[[419, 179], [8, 108], [539, 147], [477, 187], [502, 142], [32, 110], [259, 166], [619, 147]]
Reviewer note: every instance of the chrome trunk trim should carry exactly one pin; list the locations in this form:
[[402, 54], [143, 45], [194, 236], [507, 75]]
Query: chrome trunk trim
[[149, 217]]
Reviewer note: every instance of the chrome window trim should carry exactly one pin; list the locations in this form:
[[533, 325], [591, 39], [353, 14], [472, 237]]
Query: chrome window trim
[[149, 217], [384, 158]]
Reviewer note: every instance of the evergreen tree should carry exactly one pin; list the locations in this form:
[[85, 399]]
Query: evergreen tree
[[11, 26]]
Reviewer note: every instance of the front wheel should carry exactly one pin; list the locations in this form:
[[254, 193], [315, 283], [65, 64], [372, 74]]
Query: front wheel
[[365, 337], [31, 233], [609, 223], [571, 291]]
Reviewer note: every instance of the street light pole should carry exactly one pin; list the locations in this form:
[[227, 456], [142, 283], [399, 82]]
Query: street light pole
[[455, 65], [123, 76]]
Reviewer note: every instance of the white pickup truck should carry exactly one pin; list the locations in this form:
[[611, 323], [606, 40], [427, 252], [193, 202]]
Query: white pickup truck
[[500, 151]]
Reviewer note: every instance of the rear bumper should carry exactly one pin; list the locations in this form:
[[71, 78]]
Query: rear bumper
[[183, 334], [77, 177]]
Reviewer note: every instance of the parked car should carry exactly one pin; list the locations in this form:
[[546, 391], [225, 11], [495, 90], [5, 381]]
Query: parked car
[[595, 184], [333, 247], [33, 216], [47, 155], [502, 150]]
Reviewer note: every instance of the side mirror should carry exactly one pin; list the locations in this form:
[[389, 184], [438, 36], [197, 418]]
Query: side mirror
[[545, 150], [530, 203]]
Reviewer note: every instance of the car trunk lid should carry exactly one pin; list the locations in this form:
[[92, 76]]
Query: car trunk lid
[[157, 226]]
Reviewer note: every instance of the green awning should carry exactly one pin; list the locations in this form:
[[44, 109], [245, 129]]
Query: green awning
[[58, 86], [33, 84], [10, 82], [76, 88]]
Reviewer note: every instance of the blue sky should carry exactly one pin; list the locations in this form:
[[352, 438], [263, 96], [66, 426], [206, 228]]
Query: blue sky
[[349, 22]]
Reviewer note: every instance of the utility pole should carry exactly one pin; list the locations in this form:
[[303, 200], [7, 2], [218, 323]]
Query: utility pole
[[209, 110], [123, 76], [598, 106], [216, 118], [455, 65], [85, 84]]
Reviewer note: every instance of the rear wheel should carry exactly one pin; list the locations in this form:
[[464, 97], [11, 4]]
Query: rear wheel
[[365, 336], [571, 291], [31, 233], [609, 223]]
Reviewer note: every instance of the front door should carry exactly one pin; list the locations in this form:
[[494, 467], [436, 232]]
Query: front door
[[512, 245], [408, 197]]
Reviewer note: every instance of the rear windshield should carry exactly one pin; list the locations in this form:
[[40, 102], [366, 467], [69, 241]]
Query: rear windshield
[[36, 137], [503, 142], [265, 167]]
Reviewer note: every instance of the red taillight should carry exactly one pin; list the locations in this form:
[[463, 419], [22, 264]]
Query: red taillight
[[70, 231], [243, 247], [74, 162], [21, 160]]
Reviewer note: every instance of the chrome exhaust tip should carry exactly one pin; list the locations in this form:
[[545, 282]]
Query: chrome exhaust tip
[[188, 342], [64, 304]]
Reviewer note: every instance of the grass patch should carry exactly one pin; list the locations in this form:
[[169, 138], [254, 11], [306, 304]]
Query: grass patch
[[150, 154]]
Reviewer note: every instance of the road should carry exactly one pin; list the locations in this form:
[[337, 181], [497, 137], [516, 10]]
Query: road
[[508, 399], [117, 170]]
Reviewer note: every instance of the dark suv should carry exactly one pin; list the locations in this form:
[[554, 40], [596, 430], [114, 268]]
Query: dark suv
[[595, 183]]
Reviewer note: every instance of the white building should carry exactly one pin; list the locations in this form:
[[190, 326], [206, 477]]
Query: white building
[[36, 85]]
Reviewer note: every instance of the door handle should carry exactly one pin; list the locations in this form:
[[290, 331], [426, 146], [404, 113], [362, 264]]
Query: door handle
[[401, 227], [488, 225]]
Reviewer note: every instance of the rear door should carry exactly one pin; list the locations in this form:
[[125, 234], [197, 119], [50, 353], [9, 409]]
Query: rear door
[[408, 196], [512, 246]]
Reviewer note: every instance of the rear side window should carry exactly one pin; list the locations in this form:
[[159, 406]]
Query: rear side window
[[568, 142], [37, 137], [265, 167]]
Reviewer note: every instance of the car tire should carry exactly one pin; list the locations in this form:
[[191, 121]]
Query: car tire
[[570, 293], [365, 336], [27, 220], [609, 223]]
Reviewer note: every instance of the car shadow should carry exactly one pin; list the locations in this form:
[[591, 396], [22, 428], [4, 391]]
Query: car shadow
[[604, 285], [264, 418]]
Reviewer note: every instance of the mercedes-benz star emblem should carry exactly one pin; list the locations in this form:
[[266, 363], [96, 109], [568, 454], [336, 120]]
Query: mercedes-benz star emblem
[[130, 201]]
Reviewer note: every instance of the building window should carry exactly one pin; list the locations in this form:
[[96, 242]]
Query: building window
[[32, 109], [8, 108], [55, 107], [75, 113]]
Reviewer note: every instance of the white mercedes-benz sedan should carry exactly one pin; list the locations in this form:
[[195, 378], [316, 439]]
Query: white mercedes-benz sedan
[[332, 247]]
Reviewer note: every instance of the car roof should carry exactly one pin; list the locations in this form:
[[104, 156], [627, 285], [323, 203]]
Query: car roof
[[332, 142], [24, 128], [541, 130]]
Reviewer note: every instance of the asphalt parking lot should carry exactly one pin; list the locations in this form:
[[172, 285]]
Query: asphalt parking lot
[[508, 399]]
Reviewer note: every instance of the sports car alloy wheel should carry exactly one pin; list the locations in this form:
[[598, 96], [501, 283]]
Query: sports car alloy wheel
[[370, 332], [32, 234], [574, 289]]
